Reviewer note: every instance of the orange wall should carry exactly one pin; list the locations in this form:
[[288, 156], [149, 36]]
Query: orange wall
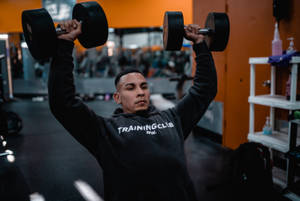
[[141, 13], [120, 13], [252, 27], [10, 13]]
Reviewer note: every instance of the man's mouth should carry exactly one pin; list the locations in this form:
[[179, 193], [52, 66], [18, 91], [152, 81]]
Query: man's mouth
[[141, 102]]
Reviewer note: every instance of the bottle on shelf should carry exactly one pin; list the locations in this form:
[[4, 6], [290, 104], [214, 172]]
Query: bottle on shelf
[[297, 114], [276, 43], [267, 130], [288, 87], [291, 48]]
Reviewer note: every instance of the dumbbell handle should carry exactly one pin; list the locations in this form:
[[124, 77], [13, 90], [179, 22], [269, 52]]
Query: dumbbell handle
[[60, 31], [205, 31]]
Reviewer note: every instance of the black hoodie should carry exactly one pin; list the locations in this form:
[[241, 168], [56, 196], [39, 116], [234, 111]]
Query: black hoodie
[[142, 154]]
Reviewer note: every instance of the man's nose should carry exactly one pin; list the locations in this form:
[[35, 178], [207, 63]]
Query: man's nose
[[140, 92]]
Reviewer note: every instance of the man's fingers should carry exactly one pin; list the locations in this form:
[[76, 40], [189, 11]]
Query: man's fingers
[[193, 28], [78, 26], [76, 23], [191, 33], [70, 25], [64, 26], [72, 29]]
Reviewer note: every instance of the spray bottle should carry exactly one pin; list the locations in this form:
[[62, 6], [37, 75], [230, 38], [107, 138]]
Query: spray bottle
[[267, 130], [276, 43], [290, 50]]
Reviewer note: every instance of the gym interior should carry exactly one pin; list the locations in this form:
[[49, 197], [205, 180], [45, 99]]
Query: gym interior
[[256, 102]]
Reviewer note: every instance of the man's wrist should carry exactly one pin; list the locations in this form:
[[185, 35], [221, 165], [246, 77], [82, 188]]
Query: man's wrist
[[66, 42], [64, 47], [200, 47], [198, 40]]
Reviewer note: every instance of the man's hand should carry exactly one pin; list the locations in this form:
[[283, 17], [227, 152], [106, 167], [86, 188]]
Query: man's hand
[[191, 33], [73, 29]]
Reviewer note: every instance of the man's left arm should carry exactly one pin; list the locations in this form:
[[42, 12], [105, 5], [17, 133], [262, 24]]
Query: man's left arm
[[194, 104]]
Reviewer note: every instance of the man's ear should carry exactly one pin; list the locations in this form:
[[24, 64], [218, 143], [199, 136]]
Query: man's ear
[[117, 97]]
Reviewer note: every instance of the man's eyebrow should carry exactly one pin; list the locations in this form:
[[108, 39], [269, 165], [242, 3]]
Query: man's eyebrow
[[129, 84]]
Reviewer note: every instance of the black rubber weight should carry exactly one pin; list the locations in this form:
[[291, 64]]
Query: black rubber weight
[[94, 24], [175, 33], [219, 22], [39, 33]]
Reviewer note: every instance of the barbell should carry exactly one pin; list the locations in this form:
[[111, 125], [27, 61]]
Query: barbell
[[41, 34], [216, 30]]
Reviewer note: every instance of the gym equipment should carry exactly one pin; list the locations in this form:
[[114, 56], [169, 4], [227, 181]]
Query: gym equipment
[[6, 154], [216, 30], [14, 123], [41, 35], [3, 143]]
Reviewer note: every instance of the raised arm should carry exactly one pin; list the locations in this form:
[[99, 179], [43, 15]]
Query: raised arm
[[192, 107], [71, 112]]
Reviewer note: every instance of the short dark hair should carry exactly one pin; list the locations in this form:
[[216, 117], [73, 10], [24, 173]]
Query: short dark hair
[[124, 72]]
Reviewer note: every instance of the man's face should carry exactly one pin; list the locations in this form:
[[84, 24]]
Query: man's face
[[132, 93]]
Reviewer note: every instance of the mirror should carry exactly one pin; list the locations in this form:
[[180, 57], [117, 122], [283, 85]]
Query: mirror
[[140, 48]]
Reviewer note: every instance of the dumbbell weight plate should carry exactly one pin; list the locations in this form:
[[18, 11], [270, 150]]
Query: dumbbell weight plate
[[219, 23], [94, 24], [173, 30], [39, 33]]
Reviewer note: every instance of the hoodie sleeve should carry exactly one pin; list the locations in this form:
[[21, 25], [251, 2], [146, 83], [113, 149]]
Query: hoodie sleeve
[[70, 111], [194, 104]]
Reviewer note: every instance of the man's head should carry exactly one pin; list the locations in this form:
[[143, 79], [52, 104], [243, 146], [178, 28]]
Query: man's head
[[132, 91]]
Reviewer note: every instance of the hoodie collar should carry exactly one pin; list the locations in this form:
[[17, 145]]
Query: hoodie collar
[[151, 110]]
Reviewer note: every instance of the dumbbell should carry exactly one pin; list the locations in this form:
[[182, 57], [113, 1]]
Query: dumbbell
[[216, 30], [41, 35]]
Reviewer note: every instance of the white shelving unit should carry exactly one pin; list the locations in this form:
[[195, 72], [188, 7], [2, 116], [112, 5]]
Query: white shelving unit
[[277, 140]]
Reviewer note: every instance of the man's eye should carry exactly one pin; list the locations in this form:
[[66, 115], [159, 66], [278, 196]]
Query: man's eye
[[145, 87]]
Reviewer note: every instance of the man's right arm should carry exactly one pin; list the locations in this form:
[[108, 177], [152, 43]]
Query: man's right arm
[[193, 106], [70, 111]]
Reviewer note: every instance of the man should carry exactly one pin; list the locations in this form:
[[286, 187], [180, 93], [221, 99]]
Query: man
[[140, 149]]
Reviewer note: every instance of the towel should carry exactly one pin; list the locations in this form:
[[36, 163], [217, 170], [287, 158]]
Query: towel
[[282, 60]]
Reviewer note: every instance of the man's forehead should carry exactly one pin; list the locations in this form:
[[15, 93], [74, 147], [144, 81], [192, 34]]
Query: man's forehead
[[132, 78]]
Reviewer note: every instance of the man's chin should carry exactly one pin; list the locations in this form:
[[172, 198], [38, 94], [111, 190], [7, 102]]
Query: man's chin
[[139, 109]]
